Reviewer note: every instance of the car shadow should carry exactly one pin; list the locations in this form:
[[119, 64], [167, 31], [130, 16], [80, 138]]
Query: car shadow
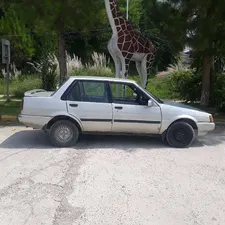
[[39, 140], [213, 139], [10, 124], [36, 139]]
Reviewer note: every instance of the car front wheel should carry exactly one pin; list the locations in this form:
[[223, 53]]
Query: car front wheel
[[63, 133], [180, 135]]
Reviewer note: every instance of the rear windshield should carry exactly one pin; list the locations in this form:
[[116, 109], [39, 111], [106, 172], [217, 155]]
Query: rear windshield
[[58, 86]]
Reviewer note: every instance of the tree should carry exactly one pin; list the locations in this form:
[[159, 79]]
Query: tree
[[164, 25], [205, 33], [14, 29], [135, 11], [61, 17]]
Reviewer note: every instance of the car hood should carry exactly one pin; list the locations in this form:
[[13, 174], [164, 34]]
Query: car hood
[[181, 105]]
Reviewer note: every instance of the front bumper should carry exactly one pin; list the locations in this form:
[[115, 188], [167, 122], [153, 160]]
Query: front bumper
[[204, 128], [36, 122]]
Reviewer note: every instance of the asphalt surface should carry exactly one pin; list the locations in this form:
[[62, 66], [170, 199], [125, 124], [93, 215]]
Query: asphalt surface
[[110, 181]]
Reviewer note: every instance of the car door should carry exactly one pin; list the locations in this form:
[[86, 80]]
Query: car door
[[88, 100], [131, 113]]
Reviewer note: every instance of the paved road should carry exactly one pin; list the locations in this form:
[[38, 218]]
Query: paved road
[[110, 181]]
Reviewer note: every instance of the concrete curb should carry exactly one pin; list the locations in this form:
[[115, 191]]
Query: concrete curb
[[8, 118]]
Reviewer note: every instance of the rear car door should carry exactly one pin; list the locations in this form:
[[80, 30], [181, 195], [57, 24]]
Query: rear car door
[[88, 100], [131, 113]]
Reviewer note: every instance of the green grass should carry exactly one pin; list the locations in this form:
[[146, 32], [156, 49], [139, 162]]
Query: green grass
[[11, 108], [157, 85], [161, 87], [17, 87]]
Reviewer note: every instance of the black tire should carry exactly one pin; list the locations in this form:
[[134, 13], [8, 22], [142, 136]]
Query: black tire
[[66, 137], [163, 138], [180, 135]]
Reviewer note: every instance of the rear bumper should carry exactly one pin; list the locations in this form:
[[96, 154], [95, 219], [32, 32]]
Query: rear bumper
[[37, 122], [204, 128]]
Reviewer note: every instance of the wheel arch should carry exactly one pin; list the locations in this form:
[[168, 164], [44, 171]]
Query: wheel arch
[[186, 120], [63, 117]]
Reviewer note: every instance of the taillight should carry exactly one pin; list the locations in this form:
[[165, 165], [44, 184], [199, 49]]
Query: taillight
[[211, 119], [21, 105]]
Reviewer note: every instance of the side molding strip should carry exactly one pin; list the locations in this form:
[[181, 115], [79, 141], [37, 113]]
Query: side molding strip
[[120, 121]]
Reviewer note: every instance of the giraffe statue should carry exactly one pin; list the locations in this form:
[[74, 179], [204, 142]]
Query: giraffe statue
[[127, 45]]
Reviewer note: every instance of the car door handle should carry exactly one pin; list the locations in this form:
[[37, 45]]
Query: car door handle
[[118, 107], [73, 105]]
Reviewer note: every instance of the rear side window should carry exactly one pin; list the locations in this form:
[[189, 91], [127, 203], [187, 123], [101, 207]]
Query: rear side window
[[89, 91], [93, 89]]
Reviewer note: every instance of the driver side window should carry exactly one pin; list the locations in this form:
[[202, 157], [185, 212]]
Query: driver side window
[[127, 94]]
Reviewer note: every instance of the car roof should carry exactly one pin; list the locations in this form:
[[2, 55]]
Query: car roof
[[102, 79]]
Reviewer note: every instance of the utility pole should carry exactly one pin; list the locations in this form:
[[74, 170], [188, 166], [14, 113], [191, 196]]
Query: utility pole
[[127, 9], [6, 60]]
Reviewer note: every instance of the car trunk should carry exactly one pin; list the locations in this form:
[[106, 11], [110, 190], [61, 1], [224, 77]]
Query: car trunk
[[38, 93]]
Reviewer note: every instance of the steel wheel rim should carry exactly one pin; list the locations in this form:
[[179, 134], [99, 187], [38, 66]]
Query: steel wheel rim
[[63, 134], [181, 135]]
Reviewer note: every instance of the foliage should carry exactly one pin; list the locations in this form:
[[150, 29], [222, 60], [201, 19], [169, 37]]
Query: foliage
[[93, 71], [164, 26], [11, 108], [14, 29], [161, 87], [218, 91], [180, 65], [164, 54], [97, 67], [205, 31], [33, 29], [134, 13], [47, 69], [22, 84], [44, 15], [60, 18], [187, 84]]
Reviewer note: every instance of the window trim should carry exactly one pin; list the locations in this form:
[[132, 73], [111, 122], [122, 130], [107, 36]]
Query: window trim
[[67, 91], [128, 84]]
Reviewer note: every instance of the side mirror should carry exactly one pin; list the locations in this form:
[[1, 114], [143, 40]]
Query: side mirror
[[150, 103]]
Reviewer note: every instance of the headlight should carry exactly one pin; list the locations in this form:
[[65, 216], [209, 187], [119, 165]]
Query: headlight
[[211, 119]]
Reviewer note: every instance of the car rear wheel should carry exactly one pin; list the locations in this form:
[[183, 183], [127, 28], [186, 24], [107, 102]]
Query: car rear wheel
[[180, 135], [63, 133]]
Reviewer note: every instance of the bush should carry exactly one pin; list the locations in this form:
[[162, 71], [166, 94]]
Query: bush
[[47, 69], [217, 97], [93, 71], [186, 84], [161, 87], [2, 86], [49, 75], [18, 86]]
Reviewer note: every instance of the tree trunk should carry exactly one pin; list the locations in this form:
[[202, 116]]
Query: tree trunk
[[61, 50], [207, 66]]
